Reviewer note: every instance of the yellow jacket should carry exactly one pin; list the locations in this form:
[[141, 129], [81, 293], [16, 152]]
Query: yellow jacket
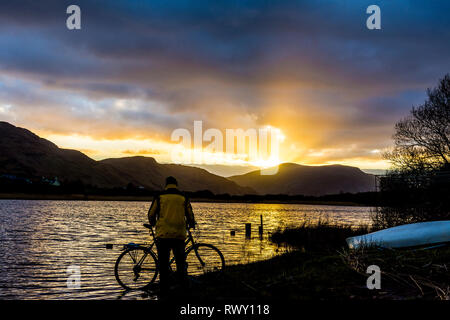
[[171, 212]]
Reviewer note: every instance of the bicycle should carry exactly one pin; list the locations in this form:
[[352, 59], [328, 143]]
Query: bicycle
[[137, 266]]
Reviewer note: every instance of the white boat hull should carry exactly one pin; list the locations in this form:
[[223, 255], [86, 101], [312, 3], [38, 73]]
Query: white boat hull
[[408, 235]]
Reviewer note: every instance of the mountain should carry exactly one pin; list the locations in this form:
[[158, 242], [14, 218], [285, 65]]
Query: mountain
[[376, 172], [294, 179], [152, 174], [24, 154], [226, 170]]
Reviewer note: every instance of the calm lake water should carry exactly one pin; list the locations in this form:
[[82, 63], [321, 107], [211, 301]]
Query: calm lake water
[[41, 239]]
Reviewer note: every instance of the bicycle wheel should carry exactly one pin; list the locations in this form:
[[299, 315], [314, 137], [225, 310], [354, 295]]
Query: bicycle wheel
[[205, 258], [136, 268]]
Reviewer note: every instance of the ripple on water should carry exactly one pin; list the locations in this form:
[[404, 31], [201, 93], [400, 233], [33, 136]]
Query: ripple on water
[[40, 239]]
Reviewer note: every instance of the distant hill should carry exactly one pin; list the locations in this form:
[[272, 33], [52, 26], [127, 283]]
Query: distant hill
[[376, 172], [226, 170], [24, 154], [294, 179], [151, 173]]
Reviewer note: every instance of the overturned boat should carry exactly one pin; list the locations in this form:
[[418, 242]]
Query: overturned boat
[[408, 235]]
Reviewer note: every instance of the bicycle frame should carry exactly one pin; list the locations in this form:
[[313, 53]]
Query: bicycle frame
[[135, 250], [190, 239]]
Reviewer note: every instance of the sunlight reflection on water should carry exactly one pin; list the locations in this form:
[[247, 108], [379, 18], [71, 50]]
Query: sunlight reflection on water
[[40, 239]]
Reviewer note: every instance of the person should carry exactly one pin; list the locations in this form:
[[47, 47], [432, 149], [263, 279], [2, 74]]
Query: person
[[171, 213]]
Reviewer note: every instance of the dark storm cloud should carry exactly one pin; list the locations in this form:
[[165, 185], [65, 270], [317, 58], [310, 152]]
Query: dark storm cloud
[[236, 38], [194, 59]]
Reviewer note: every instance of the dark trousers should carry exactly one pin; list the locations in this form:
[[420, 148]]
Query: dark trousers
[[164, 246]]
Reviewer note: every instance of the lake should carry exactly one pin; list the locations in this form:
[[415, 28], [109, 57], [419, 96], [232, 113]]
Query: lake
[[41, 239]]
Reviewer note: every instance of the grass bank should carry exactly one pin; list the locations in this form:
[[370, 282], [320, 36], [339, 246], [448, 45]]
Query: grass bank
[[320, 267]]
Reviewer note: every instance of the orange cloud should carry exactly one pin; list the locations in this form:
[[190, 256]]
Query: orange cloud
[[142, 152]]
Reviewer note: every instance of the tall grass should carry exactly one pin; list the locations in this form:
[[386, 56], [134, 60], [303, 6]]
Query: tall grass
[[406, 274], [318, 236]]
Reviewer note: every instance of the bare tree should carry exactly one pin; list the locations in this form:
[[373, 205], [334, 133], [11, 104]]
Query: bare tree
[[418, 187], [422, 139]]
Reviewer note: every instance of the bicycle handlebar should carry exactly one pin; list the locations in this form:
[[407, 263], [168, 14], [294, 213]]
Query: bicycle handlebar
[[148, 226]]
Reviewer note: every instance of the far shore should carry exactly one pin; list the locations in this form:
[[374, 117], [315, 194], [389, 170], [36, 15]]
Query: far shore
[[82, 197]]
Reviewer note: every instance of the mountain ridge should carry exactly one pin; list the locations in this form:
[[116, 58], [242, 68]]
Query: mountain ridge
[[23, 153], [294, 179]]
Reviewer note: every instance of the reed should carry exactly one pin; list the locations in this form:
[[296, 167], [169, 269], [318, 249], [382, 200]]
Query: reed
[[410, 274], [322, 235]]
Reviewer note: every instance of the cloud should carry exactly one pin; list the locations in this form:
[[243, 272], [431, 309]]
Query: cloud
[[140, 69], [142, 152]]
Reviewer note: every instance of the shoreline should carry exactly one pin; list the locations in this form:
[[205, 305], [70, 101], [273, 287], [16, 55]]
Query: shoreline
[[81, 197], [319, 265], [330, 276]]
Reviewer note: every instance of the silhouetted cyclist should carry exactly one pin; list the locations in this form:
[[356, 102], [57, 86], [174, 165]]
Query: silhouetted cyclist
[[171, 213]]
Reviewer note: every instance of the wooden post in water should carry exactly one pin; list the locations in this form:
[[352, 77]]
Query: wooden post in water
[[248, 230], [261, 228]]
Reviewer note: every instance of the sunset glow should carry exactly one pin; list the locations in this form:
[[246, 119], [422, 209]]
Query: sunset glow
[[120, 96]]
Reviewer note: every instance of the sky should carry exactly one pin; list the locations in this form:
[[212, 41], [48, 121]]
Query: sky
[[138, 70]]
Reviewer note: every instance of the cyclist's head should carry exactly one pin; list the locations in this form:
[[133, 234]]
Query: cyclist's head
[[171, 180]]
